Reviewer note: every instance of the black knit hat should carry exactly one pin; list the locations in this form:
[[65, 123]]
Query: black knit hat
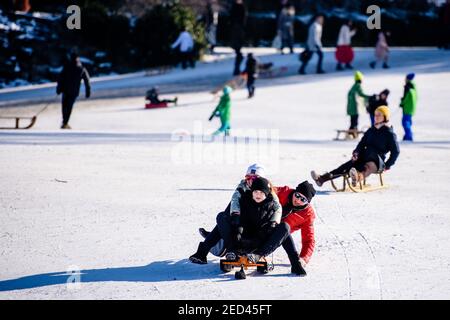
[[261, 184], [306, 189]]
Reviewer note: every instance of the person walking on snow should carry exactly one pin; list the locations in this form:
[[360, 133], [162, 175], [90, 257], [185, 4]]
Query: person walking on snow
[[68, 84], [381, 50], [185, 42], [344, 51], [370, 153], [223, 111], [408, 104], [251, 69], [238, 20], [314, 44], [353, 98], [286, 28]]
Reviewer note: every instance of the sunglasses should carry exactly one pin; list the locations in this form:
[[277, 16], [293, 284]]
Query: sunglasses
[[301, 197]]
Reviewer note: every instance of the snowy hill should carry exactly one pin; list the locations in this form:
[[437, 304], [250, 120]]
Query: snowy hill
[[121, 196]]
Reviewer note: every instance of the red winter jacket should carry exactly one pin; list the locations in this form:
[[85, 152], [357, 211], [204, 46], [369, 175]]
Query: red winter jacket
[[299, 220]]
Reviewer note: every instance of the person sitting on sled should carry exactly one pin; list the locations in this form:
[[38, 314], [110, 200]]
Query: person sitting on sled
[[370, 153], [253, 172], [297, 214], [153, 96], [245, 231], [223, 111]]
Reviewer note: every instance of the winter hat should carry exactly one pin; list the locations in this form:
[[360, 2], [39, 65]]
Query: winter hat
[[256, 169], [227, 90], [410, 76], [306, 189], [385, 111], [358, 76], [261, 184]]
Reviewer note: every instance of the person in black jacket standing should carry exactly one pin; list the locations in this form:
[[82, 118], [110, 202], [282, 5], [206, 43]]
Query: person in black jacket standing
[[251, 69], [376, 101], [370, 153], [69, 85], [238, 19]]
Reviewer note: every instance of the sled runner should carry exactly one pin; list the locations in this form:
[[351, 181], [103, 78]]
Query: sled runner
[[31, 121], [349, 134], [242, 261], [156, 105], [234, 83], [362, 186]]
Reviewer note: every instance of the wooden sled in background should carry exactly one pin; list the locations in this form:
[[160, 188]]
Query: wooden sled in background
[[157, 71], [362, 186], [272, 72], [262, 266], [31, 121], [347, 134], [237, 82]]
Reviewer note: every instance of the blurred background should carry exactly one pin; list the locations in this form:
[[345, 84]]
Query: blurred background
[[121, 36]]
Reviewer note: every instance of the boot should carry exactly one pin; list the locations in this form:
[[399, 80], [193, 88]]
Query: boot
[[65, 126], [339, 67], [203, 232], [372, 64], [385, 66], [200, 256], [296, 267], [349, 66], [320, 179]]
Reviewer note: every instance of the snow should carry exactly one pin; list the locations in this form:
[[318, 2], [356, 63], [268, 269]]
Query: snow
[[121, 196]]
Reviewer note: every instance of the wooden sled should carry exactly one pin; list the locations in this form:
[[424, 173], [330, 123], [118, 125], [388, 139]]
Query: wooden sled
[[348, 134], [157, 71], [361, 187], [32, 121], [234, 83], [262, 266], [272, 72]]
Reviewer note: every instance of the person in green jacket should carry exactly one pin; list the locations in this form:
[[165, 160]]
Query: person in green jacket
[[223, 111], [408, 104], [352, 100]]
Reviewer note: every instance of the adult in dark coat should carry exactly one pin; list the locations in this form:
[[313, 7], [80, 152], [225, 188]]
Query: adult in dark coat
[[370, 153], [238, 19], [69, 85], [251, 69]]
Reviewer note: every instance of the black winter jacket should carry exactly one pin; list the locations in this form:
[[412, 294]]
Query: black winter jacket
[[70, 80], [256, 218], [379, 142]]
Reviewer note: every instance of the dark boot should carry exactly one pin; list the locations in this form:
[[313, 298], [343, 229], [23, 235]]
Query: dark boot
[[339, 67], [372, 64], [385, 66], [200, 256], [296, 267], [321, 179], [349, 66]]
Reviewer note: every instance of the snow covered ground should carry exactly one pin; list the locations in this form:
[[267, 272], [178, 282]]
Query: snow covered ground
[[121, 196]]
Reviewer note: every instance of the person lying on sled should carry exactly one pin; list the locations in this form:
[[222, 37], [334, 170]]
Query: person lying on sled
[[297, 214], [244, 232], [152, 95], [370, 153]]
